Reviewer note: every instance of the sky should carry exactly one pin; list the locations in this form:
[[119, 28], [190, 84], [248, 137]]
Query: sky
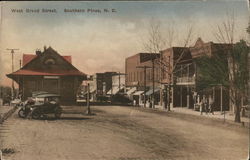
[[100, 41]]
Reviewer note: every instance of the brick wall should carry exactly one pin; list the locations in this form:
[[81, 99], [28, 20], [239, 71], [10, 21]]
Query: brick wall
[[135, 76]]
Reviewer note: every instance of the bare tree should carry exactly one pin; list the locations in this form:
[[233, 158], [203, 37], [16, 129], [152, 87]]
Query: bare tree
[[225, 33], [154, 43], [171, 68], [157, 40]]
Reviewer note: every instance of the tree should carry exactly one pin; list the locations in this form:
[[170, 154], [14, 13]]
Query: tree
[[234, 77], [158, 40], [154, 43], [225, 33]]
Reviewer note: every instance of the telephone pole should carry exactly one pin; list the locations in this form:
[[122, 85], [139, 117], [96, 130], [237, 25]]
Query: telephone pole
[[153, 79], [145, 87], [12, 51], [169, 84]]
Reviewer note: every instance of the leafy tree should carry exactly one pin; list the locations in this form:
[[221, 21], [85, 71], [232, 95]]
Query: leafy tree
[[214, 70]]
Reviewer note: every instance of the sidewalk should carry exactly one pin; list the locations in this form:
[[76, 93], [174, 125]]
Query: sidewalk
[[217, 114], [228, 117]]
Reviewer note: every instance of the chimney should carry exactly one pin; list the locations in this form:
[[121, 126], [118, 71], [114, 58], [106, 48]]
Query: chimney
[[38, 52], [44, 48]]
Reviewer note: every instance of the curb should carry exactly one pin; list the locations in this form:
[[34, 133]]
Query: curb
[[6, 115]]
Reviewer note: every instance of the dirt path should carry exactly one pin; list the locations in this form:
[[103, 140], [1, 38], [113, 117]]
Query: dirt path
[[121, 133]]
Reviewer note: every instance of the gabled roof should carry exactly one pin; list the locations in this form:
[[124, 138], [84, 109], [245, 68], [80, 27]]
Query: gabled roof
[[43, 70], [28, 57]]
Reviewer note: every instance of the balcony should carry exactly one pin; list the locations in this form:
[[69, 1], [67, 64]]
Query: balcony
[[185, 80]]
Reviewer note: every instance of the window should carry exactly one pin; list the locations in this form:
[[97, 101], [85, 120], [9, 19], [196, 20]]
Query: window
[[50, 61]]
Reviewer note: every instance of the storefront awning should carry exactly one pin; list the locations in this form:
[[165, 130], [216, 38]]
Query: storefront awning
[[115, 90], [132, 90], [138, 93], [151, 91]]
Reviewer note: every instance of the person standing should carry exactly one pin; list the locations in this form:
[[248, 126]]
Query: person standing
[[134, 103], [206, 105], [202, 104], [211, 105]]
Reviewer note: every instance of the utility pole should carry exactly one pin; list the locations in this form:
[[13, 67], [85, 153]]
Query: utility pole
[[145, 87], [88, 104], [153, 79], [169, 85], [119, 81], [12, 51], [221, 96], [20, 65]]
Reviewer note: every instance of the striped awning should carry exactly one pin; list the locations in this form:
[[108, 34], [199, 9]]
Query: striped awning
[[138, 93], [132, 90], [151, 91]]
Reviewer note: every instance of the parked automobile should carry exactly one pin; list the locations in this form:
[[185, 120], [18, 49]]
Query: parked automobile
[[40, 104], [50, 105], [121, 99]]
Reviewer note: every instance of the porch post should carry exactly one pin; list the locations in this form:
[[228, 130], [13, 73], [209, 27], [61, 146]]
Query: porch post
[[181, 96]]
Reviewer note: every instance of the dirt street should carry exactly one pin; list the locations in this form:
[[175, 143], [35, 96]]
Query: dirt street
[[121, 133]]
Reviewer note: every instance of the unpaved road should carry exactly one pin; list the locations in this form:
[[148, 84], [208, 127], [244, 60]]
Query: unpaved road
[[121, 133]]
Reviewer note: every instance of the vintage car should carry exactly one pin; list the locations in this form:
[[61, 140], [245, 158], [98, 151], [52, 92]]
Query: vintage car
[[48, 104]]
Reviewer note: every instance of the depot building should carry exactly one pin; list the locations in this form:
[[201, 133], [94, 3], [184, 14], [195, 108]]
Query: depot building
[[48, 71]]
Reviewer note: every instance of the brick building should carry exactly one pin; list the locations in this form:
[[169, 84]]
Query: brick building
[[135, 75], [48, 71], [178, 70], [219, 94], [134, 79], [176, 66]]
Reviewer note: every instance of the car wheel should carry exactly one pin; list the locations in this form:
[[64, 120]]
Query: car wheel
[[58, 113], [36, 114], [21, 113]]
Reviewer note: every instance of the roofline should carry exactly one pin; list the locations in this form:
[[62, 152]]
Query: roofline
[[138, 54], [56, 53]]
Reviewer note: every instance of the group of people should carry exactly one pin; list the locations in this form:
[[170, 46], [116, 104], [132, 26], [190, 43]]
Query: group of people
[[206, 104]]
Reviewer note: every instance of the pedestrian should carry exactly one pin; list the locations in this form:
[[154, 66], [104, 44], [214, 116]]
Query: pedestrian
[[150, 102], [203, 104], [134, 102], [206, 105], [211, 105]]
